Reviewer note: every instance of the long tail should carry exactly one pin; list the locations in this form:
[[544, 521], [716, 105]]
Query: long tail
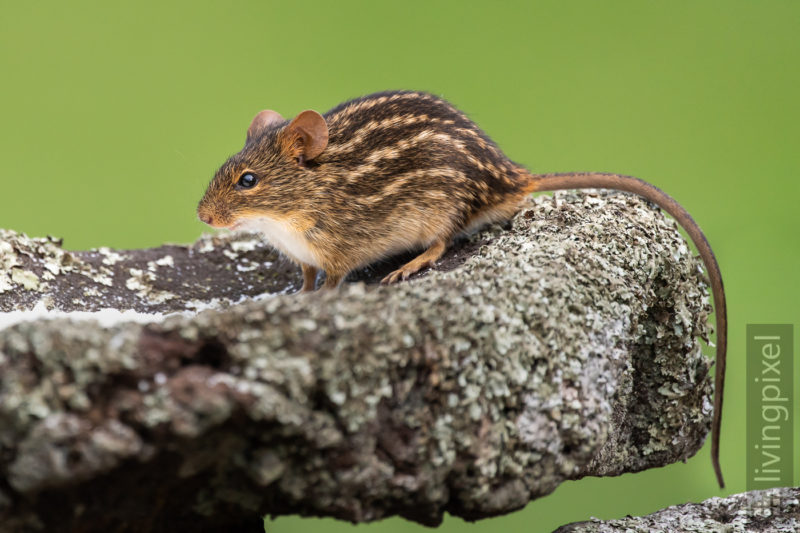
[[553, 182]]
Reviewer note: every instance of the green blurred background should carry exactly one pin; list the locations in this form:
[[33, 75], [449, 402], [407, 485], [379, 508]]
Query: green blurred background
[[115, 116]]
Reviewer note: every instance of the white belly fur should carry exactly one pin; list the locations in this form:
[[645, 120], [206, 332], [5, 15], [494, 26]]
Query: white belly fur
[[285, 238]]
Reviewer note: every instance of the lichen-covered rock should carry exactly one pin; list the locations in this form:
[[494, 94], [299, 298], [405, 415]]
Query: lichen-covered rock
[[762, 511], [562, 346], [217, 270]]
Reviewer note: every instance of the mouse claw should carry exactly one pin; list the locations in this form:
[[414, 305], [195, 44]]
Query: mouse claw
[[425, 260], [405, 272], [392, 277], [400, 274]]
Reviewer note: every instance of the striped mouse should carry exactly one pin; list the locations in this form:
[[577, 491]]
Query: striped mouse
[[392, 172]]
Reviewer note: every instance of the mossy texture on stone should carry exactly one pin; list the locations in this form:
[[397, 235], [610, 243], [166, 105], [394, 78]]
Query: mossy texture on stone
[[763, 511], [561, 346]]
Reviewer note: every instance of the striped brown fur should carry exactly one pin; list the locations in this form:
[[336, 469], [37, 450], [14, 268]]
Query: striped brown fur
[[401, 170]]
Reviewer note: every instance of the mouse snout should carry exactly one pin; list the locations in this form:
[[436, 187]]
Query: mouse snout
[[214, 217], [206, 214], [206, 217]]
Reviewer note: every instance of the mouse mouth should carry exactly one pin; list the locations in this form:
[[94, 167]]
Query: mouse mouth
[[217, 225], [241, 224]]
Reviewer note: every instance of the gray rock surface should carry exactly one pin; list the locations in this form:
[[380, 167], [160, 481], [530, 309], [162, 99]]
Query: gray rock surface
[[562, 346], [763, 511]]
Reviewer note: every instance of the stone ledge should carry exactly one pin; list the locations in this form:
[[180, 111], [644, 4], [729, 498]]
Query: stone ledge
[[561, 346]]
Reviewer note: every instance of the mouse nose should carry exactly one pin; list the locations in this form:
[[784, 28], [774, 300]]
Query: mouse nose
[[207, 218]]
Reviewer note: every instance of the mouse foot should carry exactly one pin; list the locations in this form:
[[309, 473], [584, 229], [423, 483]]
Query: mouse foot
[[423, 260], [403, 273]]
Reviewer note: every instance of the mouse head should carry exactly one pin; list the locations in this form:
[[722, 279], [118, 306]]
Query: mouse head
[[265, 178]]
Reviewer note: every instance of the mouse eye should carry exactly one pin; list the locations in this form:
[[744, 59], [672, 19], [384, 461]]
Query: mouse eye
[[247, 181]]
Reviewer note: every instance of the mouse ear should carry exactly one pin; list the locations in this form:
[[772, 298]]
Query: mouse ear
[[262, 121], [306, 135]]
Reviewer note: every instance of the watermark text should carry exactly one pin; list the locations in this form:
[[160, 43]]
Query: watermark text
[[770, 405]]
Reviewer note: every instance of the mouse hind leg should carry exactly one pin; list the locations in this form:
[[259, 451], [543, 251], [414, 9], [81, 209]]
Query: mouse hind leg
[[423, 260], [431, 228]]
